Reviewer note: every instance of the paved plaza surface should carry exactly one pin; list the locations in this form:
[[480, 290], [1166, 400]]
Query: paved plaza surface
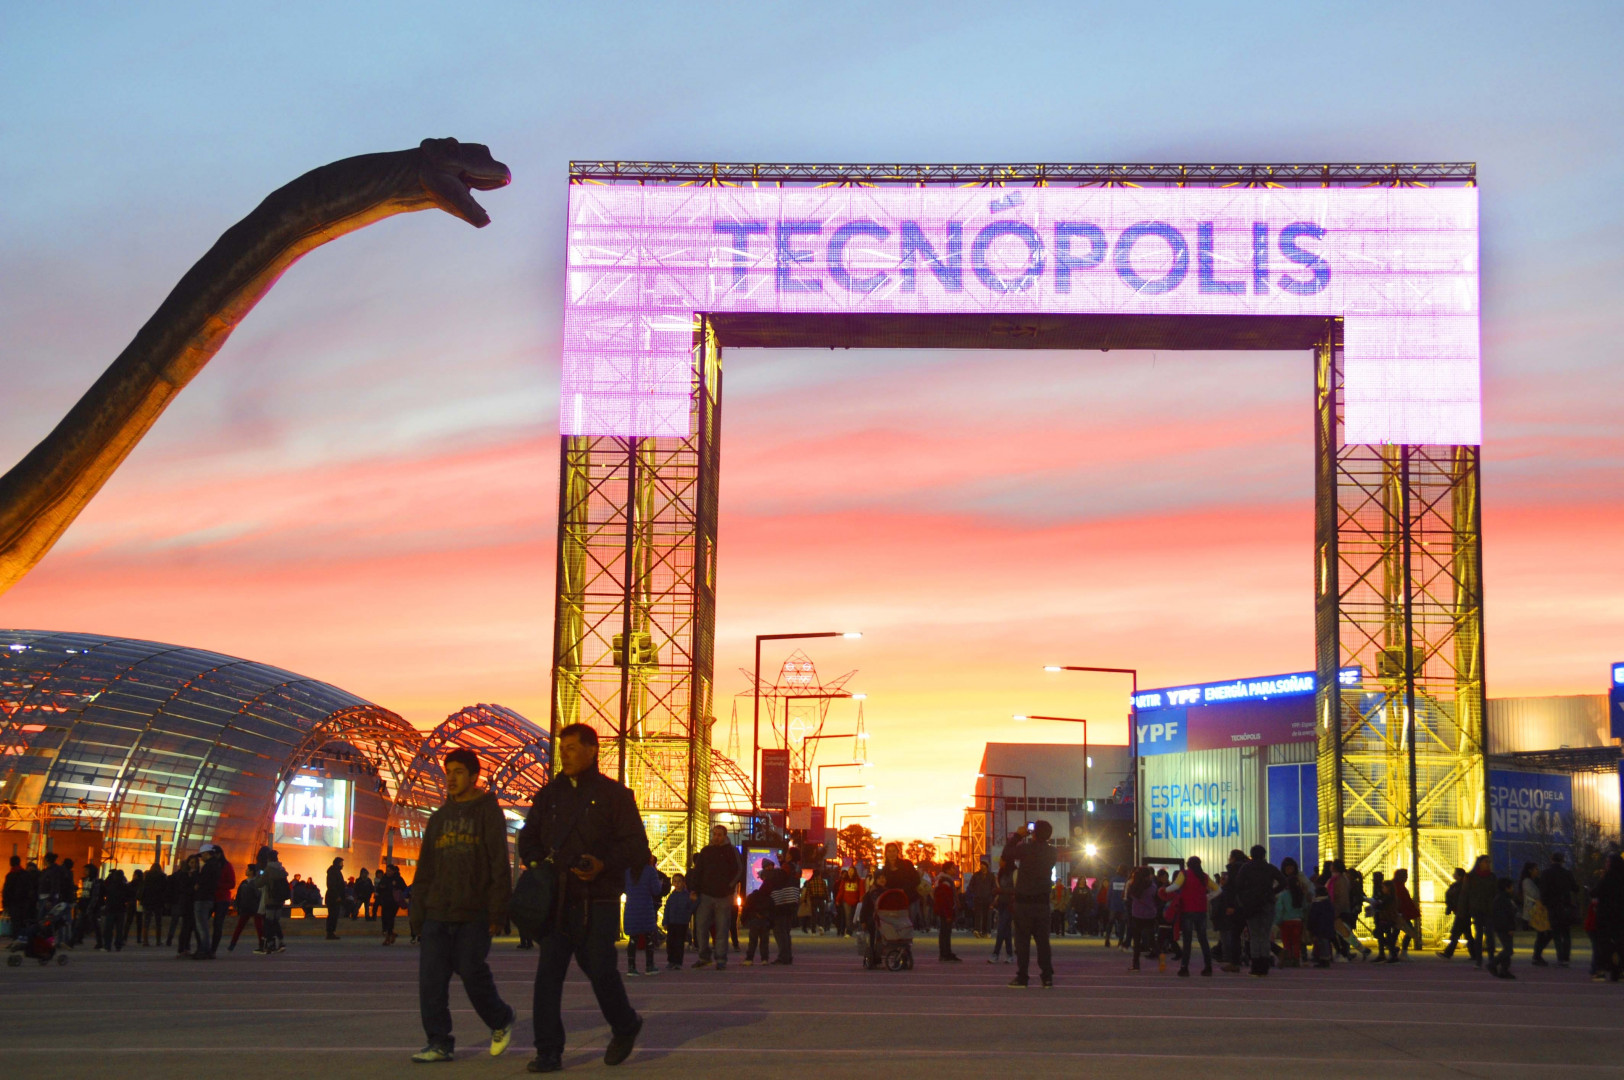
[[349, 1008]]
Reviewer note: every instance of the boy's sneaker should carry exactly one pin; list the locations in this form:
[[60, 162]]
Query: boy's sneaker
[[1048, 984], [747, 962], [652, 970], [503, 1035], [431, 1053], [722, 966], [701, 963], [1017, 983], [632, 971]]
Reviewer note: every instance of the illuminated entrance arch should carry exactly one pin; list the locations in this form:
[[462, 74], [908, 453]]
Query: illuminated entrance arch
[[1372, 269]]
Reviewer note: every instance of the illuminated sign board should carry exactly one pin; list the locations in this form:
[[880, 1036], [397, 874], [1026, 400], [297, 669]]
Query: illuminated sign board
[[1530, 816], [1399, 265], [1615, 701], [1242, 712], [315, 812]]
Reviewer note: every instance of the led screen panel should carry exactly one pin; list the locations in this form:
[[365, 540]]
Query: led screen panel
[[315, 812], [1400, 265]]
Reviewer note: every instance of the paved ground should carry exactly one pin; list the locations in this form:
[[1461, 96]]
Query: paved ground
[[349, 1008]]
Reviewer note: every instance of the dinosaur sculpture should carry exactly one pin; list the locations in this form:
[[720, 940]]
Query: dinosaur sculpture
[[43, 493]]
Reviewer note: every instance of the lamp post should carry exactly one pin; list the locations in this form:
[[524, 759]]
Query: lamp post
[[833, 810], [1070, 720], [1004, 776], [815, 738], [755, 701], [1133, 732], [846, 787], [842, 765]]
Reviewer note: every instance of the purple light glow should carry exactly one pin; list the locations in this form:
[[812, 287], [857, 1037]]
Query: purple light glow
[[1399, 264]]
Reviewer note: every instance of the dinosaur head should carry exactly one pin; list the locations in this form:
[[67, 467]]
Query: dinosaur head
[[450, 169]]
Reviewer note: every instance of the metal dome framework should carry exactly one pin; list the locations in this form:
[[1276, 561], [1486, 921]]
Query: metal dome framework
[[164, 745], [515, 757]]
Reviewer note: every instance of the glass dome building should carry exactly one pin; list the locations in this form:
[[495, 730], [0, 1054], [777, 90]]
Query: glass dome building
[[129, 752]]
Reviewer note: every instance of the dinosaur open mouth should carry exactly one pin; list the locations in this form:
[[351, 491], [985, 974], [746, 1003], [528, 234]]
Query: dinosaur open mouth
[[488, 181]]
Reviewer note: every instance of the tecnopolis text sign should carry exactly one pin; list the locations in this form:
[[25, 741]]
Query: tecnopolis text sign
[[1398, 264]]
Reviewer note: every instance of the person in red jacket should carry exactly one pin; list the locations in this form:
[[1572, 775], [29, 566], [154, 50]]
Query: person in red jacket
[[944, 899], [1409, 914], [225, 890]]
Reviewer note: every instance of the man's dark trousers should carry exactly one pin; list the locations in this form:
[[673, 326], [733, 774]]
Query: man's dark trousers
[[589, 937], [983, 910], [459, 948], [1032, 921], [944, 938], [782, 918], [220, 909], [1560, 934], [1460, 928]]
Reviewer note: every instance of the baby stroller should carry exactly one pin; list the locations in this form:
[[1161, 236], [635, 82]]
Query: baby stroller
[[39, 941], [886, 937]]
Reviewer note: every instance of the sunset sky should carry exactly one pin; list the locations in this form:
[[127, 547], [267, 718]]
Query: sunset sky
[[361, 487]]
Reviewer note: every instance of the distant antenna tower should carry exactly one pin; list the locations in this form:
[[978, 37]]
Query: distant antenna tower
[[733, 735], [860, 748]]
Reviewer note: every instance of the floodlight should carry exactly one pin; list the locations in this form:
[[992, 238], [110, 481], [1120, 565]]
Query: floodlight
[[851, 635]]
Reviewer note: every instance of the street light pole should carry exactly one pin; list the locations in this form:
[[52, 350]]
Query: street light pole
[[1133, 734], [755, 696], [842, 765], [815, 738], [1071, 720], [846, 787], [1007, 776]]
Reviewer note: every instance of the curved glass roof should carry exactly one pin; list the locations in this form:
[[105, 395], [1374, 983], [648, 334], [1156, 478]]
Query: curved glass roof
[[161, 746]]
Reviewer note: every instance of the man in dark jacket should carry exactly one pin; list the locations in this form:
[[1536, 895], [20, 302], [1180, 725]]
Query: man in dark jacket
[[459, 900], [1033, 857], [208, 882], [335, 897], [1257, 883], [717, 871], [1460, 924], [982, 886], [1559, 891], [784, 882], [154, 895], [19, 906], [1481, 889], [586, 830]]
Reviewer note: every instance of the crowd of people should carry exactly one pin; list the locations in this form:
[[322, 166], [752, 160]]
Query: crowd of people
[[1250, 916], [189, 907]]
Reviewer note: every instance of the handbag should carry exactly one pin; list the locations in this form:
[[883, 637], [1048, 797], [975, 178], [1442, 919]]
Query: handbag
[[1540, 917], [534, 903]]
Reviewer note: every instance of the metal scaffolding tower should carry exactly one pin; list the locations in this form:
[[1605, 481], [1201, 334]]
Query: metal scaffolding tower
[[635, 621], [1398, 563], [1399, 595]]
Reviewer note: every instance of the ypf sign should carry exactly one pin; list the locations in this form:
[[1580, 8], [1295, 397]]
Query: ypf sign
[[1398, 264]]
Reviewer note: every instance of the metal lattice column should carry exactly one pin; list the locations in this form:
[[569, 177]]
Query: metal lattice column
[[634, 627], [1399, 595]]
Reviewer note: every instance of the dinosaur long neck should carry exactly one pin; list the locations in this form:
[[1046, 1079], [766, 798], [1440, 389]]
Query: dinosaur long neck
[[42, 495]]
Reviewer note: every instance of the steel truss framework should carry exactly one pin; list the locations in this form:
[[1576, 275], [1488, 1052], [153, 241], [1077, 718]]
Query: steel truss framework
[[1398, 562], [1036, 174], [635, 623], [1402, 772]]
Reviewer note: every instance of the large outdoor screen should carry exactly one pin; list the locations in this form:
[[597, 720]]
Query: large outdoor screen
[[1400, 265], [314, 812]]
